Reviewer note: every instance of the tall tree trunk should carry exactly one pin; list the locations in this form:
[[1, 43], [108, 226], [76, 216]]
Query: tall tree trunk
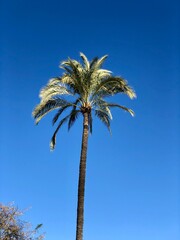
[[82, 175]]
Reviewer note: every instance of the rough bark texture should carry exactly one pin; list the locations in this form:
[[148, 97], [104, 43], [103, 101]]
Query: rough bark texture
[[82, 175]]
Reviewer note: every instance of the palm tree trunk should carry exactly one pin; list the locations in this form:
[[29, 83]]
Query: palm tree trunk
[[82, 175]]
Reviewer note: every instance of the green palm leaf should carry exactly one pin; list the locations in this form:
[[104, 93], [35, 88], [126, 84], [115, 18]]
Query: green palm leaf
[[53, 139], [104, 118], [72, 118], [122, 107], [100, 61], [85, 61], [45, 107], [113, 85], [86, 85], [60, 111]]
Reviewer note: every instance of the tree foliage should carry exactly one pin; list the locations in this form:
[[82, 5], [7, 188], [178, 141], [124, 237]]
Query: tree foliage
[[12, 227], [83, 87]]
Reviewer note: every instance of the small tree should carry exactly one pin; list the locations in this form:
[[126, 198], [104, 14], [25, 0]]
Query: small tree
[[14, 228]]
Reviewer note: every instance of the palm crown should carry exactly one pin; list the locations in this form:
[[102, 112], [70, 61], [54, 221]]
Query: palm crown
[[88, 85]]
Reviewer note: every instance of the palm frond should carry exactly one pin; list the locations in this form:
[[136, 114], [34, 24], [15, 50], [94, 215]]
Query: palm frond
[[85, 61], [114, 85], [101, 105], [93, 63], [74, 105], [74, 65], [60, 111], [53, 139], [104, 118], [122, 107], [103, 73], [67, 69], [103, 93], [45, 107], [49, 92], [75, 77], [95, 77], [100, 61], [54, 81], [128, 90], [72, 117], [68, 80], [96, 63]]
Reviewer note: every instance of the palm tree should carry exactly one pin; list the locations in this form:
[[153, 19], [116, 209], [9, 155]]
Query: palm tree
[[86, 86]]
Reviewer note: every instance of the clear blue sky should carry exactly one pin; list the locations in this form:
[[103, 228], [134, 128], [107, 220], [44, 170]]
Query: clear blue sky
[[132, 188]]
